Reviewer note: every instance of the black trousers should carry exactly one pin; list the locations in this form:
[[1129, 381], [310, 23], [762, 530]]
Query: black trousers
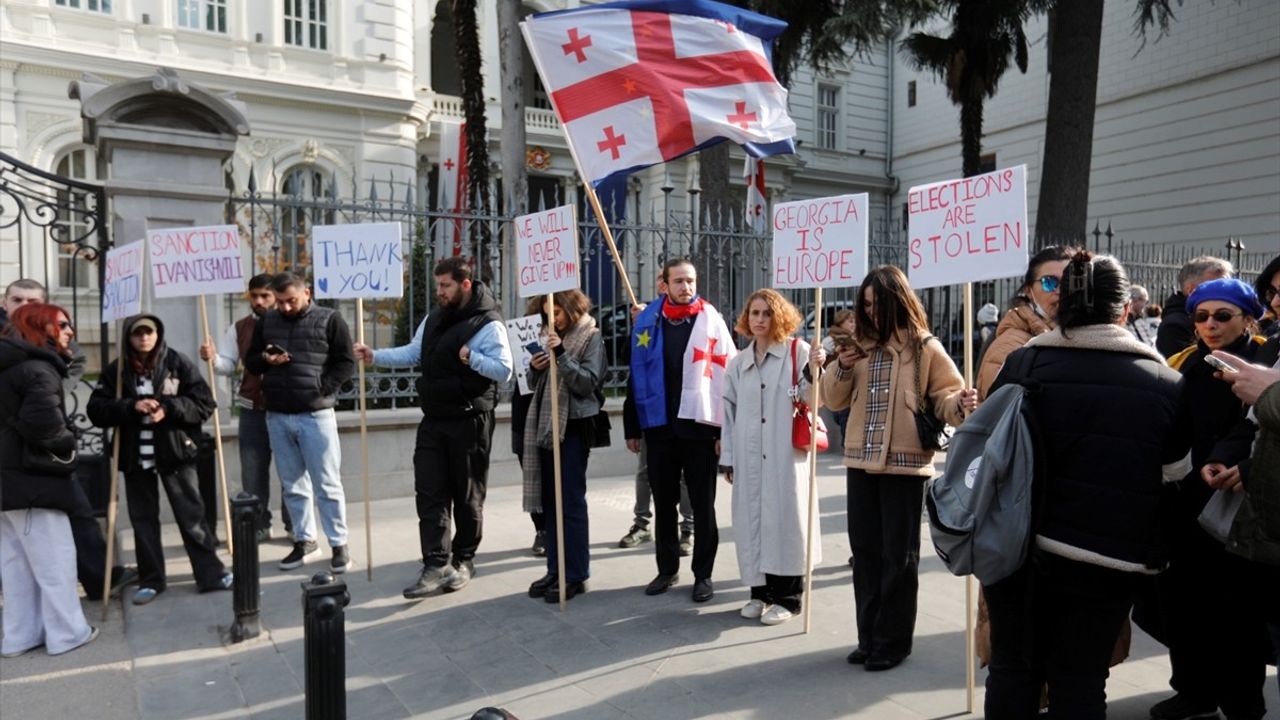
[[182, 486], [451, 475], [884, 535], [575, 451], [1218, 654], [695, 460], [1055, 620], [784, 590]]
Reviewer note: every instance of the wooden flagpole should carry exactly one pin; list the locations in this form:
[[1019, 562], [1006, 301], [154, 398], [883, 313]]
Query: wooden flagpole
[[217, 428], [364, 446], [813, 468], [555, 454], [112, 505], [969, 645]]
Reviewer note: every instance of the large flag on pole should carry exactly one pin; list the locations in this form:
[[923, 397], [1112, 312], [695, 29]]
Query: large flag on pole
[[641, 82], [452, 184]]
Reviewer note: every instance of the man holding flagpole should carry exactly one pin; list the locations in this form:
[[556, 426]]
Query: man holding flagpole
[[680, 347]]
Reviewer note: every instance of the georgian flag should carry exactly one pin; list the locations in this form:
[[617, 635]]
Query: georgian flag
[[640, 82], [756, 210], [452, 185]]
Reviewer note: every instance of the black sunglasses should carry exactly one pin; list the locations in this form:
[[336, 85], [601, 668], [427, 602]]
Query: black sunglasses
[[1222, 316], [64, 325]]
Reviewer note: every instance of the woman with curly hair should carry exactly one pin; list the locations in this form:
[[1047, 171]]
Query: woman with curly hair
[[770, 478]]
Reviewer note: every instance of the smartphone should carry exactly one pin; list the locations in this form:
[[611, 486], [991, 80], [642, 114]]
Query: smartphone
[[1220, 364], [534, 348], [274, 350]]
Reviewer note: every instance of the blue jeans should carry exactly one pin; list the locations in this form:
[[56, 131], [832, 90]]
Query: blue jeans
[[255, 464], [308, 456]]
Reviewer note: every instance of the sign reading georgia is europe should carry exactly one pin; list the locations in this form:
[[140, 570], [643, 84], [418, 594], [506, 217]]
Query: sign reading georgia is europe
[[196, 261], [820, 242], [969, 229], [358, 260], [547, 252], [122, 291]]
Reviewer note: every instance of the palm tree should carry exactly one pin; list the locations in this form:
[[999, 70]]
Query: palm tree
[[985, 35]]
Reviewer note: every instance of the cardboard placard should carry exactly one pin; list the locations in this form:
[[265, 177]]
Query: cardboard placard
[[191, 261], [547, 252], [820, 242], [122, 291], [968, 230], [358, 261], [521, 332]]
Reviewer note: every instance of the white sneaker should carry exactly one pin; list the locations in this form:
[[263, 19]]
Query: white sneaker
[[775, 615], [754, 609]]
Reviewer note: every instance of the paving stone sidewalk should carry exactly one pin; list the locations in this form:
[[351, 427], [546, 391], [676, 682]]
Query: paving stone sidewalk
[[615, 653]]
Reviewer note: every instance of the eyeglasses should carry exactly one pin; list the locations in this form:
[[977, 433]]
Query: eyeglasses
[[1270, 294], [64, 325], [1222, 316], [1049, 283]]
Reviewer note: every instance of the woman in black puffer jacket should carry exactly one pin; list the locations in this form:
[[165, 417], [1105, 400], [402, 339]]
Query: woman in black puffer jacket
[[37, 469], [1107, 411]]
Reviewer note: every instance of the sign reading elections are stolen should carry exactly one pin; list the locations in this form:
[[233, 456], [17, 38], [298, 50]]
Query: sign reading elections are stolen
[[122, 291], [521, 332], [358, 261], [820, 242], [196, 261], [547, 251], [969, 229]]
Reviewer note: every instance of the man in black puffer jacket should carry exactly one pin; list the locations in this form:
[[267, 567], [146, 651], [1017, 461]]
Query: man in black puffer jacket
[[303, 353]]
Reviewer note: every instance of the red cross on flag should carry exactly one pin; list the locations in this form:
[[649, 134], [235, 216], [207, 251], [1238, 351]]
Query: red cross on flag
[[641, 82]]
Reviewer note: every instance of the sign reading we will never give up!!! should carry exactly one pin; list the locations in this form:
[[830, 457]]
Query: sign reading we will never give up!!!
[[122, 292], [358, 261], [196, 261], [820, 243], [968, 230], [547, 251]]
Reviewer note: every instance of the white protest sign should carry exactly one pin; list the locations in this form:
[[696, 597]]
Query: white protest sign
[[196, 261], [547, 252], [521, 332], [358, 261], [820, 242], [968, 230], [122, 291]]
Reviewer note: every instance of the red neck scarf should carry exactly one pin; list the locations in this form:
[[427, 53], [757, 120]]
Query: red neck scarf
[[678, 313]]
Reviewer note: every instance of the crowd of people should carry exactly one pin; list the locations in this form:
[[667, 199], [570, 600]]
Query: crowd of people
[[1173, 520]]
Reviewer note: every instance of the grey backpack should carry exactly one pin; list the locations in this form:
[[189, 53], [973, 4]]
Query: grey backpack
[[980, 508]]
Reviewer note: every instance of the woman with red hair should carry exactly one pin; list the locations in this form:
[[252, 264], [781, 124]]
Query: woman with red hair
[[37, 468]]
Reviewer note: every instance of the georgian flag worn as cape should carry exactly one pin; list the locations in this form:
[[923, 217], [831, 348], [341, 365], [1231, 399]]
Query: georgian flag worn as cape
[[707, 355], [641, 82]]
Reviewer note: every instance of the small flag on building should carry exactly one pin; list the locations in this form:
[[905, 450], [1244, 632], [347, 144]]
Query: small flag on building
[[756, 211], [641, 82], [452, 184]]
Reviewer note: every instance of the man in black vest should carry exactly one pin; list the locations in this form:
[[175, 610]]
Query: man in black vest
[[462, 350], [303, 353]]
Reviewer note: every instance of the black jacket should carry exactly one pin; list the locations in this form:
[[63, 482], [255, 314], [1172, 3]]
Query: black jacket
[[447, 388], [319, 343], [1109, 415], [1177, 332], [32, 414], [182, 392]]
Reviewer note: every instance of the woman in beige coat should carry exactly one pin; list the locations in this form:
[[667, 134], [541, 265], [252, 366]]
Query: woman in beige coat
[[886, 460]]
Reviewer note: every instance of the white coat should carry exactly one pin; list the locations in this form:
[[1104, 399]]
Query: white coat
[[770, 477]]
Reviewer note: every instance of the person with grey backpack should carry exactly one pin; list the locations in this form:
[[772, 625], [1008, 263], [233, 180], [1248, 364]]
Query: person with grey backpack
[[1099, 498]]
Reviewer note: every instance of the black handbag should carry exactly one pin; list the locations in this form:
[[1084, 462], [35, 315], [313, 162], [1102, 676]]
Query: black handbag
[[601, 426], [934, 433], [46, 462]]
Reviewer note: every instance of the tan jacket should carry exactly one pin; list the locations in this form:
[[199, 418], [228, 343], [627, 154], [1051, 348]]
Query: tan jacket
[[902, 454], [1017, 327]]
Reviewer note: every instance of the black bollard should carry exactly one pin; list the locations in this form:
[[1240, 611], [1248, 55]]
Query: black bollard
[[244, 564], [324, 645]]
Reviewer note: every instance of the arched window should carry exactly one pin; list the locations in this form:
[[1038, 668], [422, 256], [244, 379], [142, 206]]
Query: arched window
[[312, 192], [73, 228]]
